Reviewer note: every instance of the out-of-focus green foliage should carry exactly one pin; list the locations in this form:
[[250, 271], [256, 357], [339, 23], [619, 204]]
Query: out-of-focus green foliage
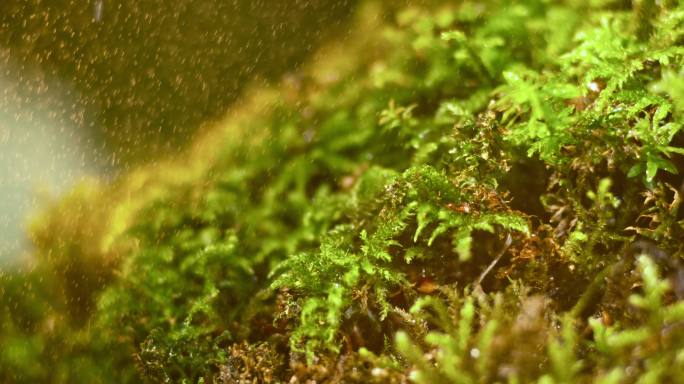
[[463, 192]]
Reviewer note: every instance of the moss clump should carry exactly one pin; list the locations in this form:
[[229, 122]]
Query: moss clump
[[491, 196]]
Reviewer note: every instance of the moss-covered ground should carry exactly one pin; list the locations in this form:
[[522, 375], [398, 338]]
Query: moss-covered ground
[[460, 192]]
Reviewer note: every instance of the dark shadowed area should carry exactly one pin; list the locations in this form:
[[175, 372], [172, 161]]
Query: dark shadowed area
[[150, 72]]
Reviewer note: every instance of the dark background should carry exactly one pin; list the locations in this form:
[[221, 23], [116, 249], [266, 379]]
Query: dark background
[[147, 73]]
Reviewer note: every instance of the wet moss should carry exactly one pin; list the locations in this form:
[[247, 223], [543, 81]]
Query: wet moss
[[454, 207]]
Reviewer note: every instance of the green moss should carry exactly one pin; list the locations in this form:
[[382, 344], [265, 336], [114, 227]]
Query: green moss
[[491, 195]]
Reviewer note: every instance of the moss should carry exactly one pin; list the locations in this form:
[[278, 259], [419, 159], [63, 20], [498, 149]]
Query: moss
[[485, 198]]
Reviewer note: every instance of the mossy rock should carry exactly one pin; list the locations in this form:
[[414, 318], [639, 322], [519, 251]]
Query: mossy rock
[[461, 192]]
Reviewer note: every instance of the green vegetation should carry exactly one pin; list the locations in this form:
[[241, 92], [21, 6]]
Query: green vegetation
[[461, 192]]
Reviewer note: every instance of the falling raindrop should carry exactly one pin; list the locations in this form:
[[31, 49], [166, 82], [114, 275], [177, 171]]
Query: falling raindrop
[[98, 8]]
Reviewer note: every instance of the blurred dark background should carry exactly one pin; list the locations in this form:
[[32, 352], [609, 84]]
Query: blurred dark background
[[146, 73]]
